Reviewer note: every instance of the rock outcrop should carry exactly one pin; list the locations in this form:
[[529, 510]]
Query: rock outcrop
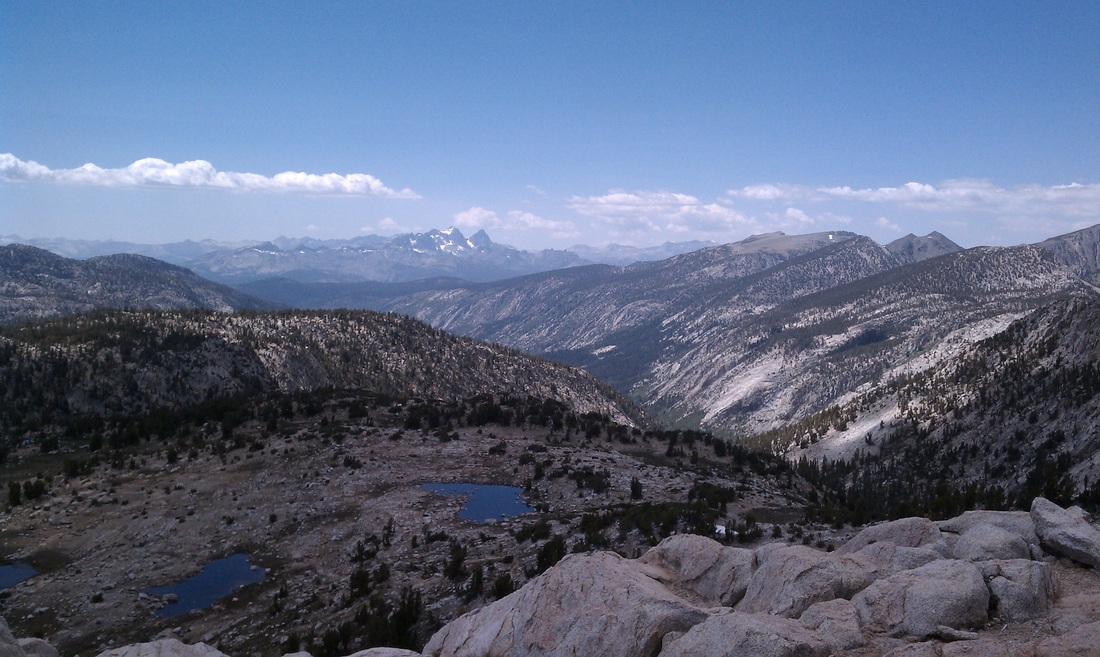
[[731, 634], [1021, 589], [907, 580], [887, 558], [1066, 532], [37, 648], [164, 648], [8, 645], [837, 621], [909, 588], [12, 647], [985, 542], [176, 648], [795, 577], [907, 532], [595, 604], [22, 647], [719, 575], [1019, 523], [945, 593]]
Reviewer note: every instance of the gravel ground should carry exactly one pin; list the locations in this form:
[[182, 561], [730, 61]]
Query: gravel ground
[[298, 507]]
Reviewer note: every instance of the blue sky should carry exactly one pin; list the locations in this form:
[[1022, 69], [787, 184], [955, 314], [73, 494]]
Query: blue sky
[[549, 124]]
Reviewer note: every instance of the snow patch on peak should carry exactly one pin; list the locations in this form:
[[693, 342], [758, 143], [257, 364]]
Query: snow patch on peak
[[480, 240]]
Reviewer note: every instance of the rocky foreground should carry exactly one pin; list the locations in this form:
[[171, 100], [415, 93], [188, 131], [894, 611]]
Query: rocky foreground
[[985, 583]]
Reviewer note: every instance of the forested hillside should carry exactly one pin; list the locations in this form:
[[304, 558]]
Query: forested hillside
[[113, 365], [1014, 416], [750, 336], [36, 284]]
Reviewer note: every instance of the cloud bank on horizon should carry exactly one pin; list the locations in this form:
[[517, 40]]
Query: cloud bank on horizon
[[634, 216], [640, 216], [1072, 199], [154, 172], [478, 218], [764, 207]]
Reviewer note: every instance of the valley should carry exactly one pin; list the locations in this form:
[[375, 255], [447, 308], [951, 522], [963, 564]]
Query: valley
[[781, 391], [329, 498], [745, 338], [404, 257]]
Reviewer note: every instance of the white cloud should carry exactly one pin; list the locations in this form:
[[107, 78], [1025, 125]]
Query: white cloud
[[909, 193], [386, 226], [619, 202], [659, 211], [964, 195], [977, 206], [796, 220], [477, 218], [768, 192], [831, 218], [798, 217], [527, 220], [153, 172], [883, 222]]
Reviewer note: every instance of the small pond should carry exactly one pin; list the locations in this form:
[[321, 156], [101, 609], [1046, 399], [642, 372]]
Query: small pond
[[219, 577], [486, 502], [13, 573]]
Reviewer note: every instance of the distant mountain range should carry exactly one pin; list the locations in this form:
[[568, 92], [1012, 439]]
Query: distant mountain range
[[746, 337], [397, 259], [400, 258], [741, 338], [36, 284]]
